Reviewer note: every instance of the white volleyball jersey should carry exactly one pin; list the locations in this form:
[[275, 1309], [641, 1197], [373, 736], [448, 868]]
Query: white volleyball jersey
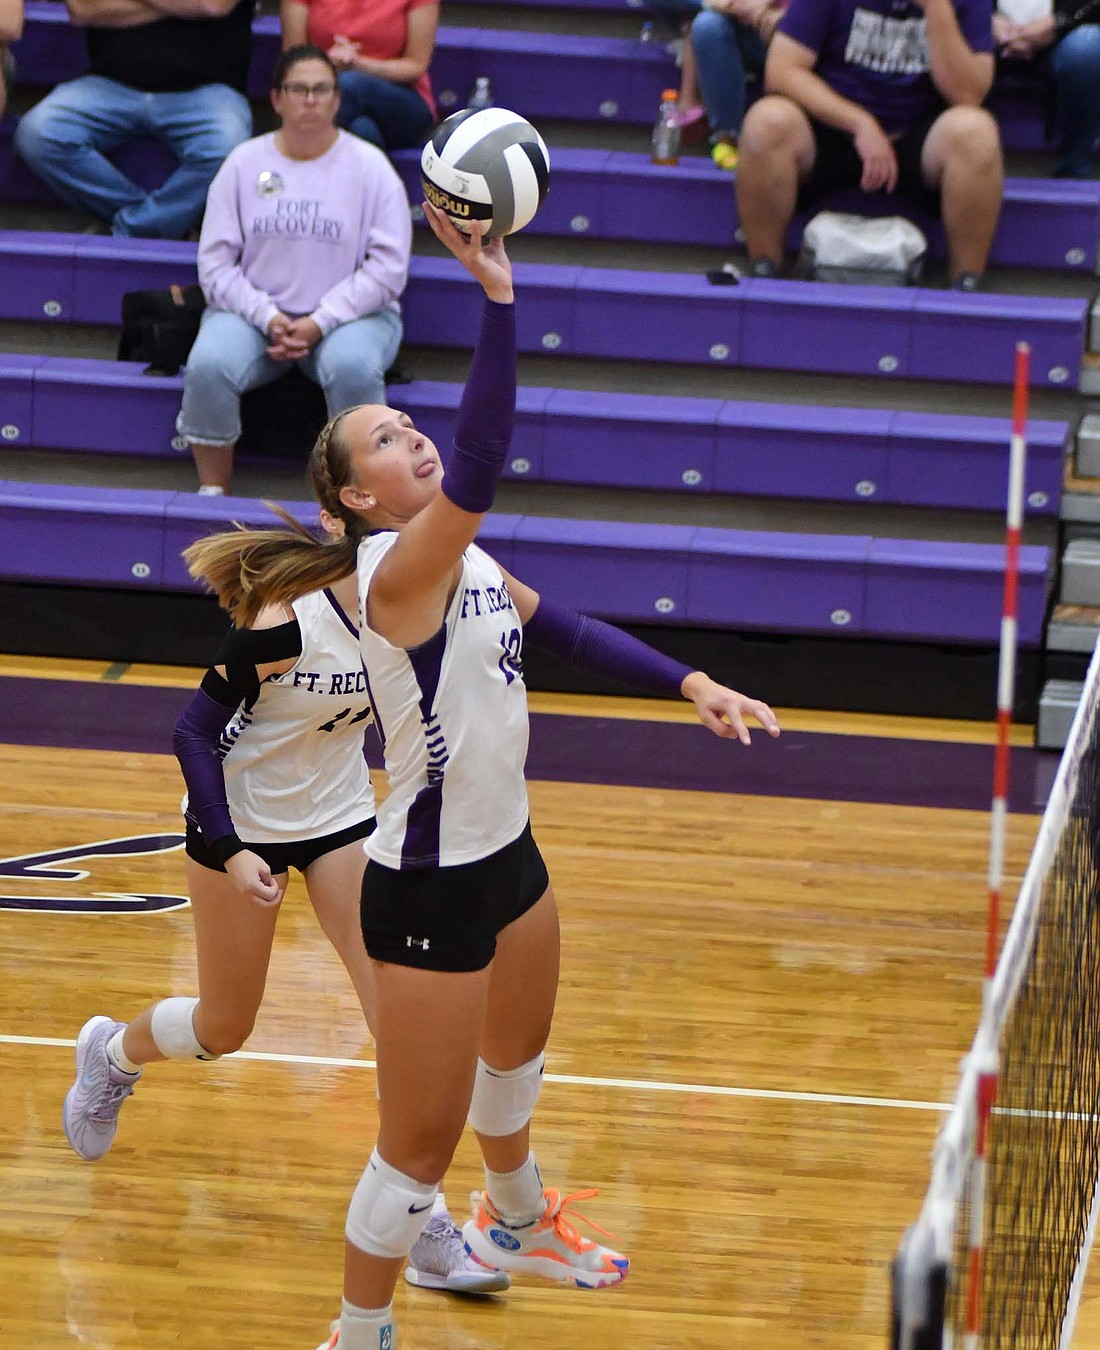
[[452, 715], [293, 759]]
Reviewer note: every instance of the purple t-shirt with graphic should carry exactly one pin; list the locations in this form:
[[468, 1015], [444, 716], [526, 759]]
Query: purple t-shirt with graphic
[[875, 52]]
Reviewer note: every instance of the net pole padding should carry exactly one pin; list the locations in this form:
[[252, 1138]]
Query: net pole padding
[[988, 1065]]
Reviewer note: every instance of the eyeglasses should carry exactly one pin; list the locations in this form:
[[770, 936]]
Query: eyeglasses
[[317, 91]]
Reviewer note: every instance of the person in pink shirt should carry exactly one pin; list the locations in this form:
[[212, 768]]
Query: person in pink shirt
[[303, 257], [382, 51]]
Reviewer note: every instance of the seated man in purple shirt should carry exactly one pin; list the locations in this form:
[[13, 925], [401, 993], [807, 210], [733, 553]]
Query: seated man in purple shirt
[[880, 95]]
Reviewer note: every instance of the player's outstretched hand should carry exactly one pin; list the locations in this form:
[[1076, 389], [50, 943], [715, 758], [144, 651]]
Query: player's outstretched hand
[[252, 877], [724, 710], [483, 258]]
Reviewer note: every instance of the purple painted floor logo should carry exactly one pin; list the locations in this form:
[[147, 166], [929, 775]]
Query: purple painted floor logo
[[48, 867]]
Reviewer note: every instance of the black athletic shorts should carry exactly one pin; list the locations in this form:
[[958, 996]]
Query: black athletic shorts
[[448, 918], [279, 857], [837, 165]]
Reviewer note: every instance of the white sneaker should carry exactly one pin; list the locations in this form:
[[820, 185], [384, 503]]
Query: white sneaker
[[92, 1104], [439, 1260], [550, 1246]]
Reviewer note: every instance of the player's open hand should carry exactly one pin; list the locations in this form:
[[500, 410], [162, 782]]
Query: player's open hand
[[483, 258], [724, 710], [252, 877]]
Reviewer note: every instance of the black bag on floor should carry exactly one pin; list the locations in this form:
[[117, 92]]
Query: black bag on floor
[[159, 327]]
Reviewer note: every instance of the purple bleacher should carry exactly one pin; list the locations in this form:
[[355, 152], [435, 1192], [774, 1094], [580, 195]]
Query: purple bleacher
[[979, 333], [622, 571], [604, 194], [756, 579], [542, 75], [539, 74], [630, 440], [624, 315], [793, 325], [967, 460], [38, 275], [658, 316], [771, 449], [85, 536], [17, 398], [951, 591], [105, 406], [103, 264], [594, 438], [630, 572], [442, 310]]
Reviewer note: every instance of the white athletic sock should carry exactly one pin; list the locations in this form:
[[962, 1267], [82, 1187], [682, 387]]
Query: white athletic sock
[[211, 490], [117, 1055], [517, 1196], [367, 1328]]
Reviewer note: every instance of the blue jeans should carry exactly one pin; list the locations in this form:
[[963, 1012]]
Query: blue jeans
[[67, 138], [391, 116], [726, 53], [1076, 64], [230, 357]]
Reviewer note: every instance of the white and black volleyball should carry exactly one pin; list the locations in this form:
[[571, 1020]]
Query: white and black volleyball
[[486, 164]]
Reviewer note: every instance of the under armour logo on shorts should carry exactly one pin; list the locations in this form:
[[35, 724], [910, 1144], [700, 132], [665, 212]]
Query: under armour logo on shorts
[[422, 943]]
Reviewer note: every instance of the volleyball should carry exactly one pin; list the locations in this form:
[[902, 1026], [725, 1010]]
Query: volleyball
[[486, 164]]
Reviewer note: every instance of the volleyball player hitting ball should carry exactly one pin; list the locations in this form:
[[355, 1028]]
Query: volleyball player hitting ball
[[271, 749], [457, 913]]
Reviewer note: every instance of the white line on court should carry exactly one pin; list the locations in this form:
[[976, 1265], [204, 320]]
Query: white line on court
[[577, 1080]]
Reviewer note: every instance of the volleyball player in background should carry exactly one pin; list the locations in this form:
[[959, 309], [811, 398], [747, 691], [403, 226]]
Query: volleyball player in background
[[457, 912], [271, 748]]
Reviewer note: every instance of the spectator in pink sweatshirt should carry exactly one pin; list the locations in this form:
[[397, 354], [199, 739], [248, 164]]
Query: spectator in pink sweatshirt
[[303, 256]]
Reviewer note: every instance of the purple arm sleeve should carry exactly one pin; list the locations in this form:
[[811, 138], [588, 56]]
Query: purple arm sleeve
[[597, 646], [483, 430], [195, 742]]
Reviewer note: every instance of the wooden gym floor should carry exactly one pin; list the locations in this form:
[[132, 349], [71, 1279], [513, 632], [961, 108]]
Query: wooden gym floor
[[771, 965]]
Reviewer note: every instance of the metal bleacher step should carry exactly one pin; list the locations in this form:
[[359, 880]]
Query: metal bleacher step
[[1057, 705], [1073, 628], [1081, 574]]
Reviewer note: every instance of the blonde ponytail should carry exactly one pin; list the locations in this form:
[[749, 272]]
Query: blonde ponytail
[[249, 569]]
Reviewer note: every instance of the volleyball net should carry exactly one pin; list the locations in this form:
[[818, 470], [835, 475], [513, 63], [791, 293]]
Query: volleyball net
[[998, 1254]]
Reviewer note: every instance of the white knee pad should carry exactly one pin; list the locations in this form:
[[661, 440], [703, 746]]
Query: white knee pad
[[387, 1210], [504, 1099], [174, 1032]]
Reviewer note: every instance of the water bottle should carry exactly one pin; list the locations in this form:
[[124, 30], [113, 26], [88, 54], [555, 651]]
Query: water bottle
[[666, 131], [482, 97], [649, 32]]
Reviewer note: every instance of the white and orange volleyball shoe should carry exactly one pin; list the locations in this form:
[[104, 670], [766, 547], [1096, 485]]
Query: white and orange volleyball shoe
[[549, 1246]]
